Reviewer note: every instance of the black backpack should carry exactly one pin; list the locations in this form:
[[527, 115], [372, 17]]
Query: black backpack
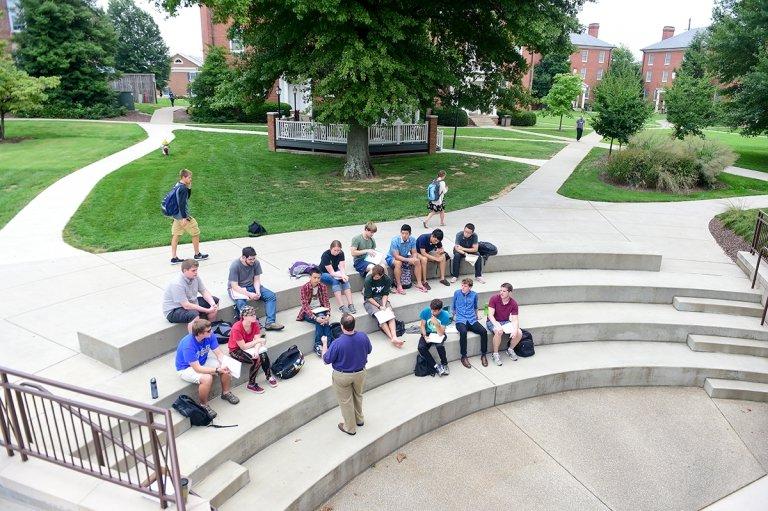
[[525, 347], [288, 363], [399, 327], [256, 229], [423, 368], [188, 407], [335, 332], [486, 249], [222, 329]]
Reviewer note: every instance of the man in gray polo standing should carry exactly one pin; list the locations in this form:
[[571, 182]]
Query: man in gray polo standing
[[348, 355]]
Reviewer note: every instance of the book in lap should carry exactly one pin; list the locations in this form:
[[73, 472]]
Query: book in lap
[[375, 258], [320, 310], [471, 258], [435, 338], [234, 365], [508, 328], [237, 296], [384, 315]]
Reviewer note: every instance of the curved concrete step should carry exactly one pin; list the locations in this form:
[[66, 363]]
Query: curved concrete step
[[225, 481], [734, 345], [750, 498], [717, 306], [300, 472], [736, 389]]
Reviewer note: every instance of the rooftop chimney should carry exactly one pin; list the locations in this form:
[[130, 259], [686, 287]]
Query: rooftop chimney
[[594, 28], [667, 32]]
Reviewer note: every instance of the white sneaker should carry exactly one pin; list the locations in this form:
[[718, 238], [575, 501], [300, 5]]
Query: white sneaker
[[496, 358], [453, 280], [512, 354], [480, 279], [440, 368]]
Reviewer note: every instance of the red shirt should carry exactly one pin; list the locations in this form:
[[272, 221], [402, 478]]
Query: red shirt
[[500, 311], [238, 333]]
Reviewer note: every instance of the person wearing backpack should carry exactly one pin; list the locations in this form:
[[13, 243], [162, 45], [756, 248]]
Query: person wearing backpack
[[465, 314], [245, 335], [433, 321], [183, 222], [313, 297], [194, 365], [348, 356], [436, 191]]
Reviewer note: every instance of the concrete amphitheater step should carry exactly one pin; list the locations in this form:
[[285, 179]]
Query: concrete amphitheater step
[[734, 345], [300, 471], [752, 497], [736, 389], [225, 481], [717, 306]]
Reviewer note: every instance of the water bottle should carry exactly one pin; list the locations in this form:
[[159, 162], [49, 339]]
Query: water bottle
[[153, 387], [485, 309]]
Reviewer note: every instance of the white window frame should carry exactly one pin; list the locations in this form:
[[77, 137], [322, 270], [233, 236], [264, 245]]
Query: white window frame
[[191, 75], [13, 19], [600, 74], [667, 58], [235, 46], [664, 76], [648, 76], [583, 73], [584, 55], [601, 57], [650, 59]]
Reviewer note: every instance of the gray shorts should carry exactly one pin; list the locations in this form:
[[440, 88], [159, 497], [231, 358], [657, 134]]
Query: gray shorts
[[370, 308], [182, 315]]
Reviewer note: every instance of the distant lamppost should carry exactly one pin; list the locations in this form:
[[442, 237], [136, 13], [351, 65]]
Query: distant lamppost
[[295, 109], [279, 111]]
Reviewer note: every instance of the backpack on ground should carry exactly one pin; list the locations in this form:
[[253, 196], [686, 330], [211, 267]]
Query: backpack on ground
[[406, 277], [188, 407], [399, 327], [300, 269], [525, 347], [170, 204], [288, 363], [256, 229], [423, 367], [222, 329], [433, 190], [486, 249]]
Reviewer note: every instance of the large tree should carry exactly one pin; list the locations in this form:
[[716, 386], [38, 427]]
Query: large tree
[[565, 89], [140, 47], [623, 62], [212, 79], [690, 102], [738, 57], [387, 59], [74, 40], [621, 109], [544, 72]]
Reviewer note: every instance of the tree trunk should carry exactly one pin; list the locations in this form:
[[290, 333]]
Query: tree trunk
[[561, 123], [358, 164], [2, 126], [455, 127], [610, 148]]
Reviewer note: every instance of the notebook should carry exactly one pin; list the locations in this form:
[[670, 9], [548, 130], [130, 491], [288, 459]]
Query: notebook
[[384, 315]]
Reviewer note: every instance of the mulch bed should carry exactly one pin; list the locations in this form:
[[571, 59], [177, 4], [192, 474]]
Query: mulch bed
[[181, 116], [730, 242], [132, 116]]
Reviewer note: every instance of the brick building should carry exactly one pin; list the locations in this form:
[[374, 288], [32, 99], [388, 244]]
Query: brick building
[[9, 20], [661, 61], [184, 70]]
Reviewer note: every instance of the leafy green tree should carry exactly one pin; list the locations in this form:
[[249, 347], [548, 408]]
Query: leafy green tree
[[737, 55], [623, 62], [544, 72], [690, 101], [621, 109], [18, 90], [140, 47], [695, 60], [387, 59], [215, 75], [566, 87], [74, 40]]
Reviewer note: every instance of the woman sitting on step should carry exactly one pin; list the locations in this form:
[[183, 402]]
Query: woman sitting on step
[[246, 335]]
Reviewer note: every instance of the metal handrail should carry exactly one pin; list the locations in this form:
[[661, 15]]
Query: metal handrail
[[37, 419], [760, 234]]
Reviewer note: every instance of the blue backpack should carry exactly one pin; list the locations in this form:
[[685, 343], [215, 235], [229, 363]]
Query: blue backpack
[[433, 190], [170, 204]]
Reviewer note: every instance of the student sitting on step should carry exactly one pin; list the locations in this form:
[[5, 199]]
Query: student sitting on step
[[246, 335], [465, 315], [433, 322], [181, 303], [334, 269], [316, 308], [403, 252], [429, 248], [376, 294], [503, 314], [466, 245]]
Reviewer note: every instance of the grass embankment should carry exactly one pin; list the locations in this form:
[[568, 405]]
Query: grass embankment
[[585, 183], [37, 153], [237, 180], [740, 221]]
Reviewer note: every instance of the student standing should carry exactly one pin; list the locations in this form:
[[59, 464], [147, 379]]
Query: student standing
[[579, 128]]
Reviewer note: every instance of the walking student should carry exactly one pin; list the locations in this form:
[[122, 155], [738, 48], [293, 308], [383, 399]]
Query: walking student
[[246, 335], [465, 314], [579, 128], [348, 356], [436, 198], [183, 222]]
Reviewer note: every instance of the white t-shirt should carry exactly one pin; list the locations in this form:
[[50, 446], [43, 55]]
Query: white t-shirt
[[441, 193]]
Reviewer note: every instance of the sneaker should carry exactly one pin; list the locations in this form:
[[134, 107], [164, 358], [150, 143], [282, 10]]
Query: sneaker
[[447, 371], [445, 282], [318, 350], [440, 368], [480, 279], [344, 309], [496, 358], [453, 280], [230, 398], [512, 353], [210, 411], [176, 260], [255, 388], [351, 309], [274, 326], [200, 256], [272, 381]]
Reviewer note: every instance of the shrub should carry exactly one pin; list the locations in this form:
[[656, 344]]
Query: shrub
[[655, 161], [64, 110], [258, 113], [447, 116], [518, 117]]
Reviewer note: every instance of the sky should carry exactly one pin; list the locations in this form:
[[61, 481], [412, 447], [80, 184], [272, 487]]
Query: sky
[[635, 23]]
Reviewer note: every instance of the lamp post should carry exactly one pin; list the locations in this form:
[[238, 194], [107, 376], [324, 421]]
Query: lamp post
[[279, 111], [295, 109]]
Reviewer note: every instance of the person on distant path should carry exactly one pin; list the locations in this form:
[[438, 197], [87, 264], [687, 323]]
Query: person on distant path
[[579, 127], [465, 315], [245, 284], [376, 291], [193, 364], [438, 206], [313, 295], [180, 301], [433, 320], [246, 334], [429, 247], [466, 243], [503, 309], [348, 356], [333, 268], [402, 250], [362, 245], [172, 97], [183, 221]]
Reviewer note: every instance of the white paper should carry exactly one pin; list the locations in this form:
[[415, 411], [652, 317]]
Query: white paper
[[233, 365], [471, 258], [320, 310], [375, 258], [451, 329], [237, 296], [508, 328], [384, 315], [435, 338]]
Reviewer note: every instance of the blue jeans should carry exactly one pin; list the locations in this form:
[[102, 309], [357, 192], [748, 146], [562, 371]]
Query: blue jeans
[[270, 303], [320, 330], [337, 286]]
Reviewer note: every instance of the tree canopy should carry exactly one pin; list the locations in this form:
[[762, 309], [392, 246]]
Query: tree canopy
[[544, 72], [565, 89], [140, 47], [621, 109], [623, 62], [690, 101], [737, 55], [387, 59]]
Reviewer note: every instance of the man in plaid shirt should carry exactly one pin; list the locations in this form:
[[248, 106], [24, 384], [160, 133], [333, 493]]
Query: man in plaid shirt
[[314, 298]]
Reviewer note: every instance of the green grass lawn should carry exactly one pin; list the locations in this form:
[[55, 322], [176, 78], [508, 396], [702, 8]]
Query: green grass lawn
[[519, 148], [752, 151], [488, 132], [585, 184], [49, 150], [740, 221], [149, 108], [237, 180], [235, 126]]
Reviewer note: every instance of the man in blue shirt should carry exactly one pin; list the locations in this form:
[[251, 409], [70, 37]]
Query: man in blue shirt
[[403, 253], [433, 322], [195, 366], [465, 315], [348, 355], [429, 248]]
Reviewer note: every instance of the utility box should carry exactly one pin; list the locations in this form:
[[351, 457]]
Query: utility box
[[126, 100]]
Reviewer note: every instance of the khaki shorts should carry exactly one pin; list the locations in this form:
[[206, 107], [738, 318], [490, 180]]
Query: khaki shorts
[[192, 376], [191, 228]]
